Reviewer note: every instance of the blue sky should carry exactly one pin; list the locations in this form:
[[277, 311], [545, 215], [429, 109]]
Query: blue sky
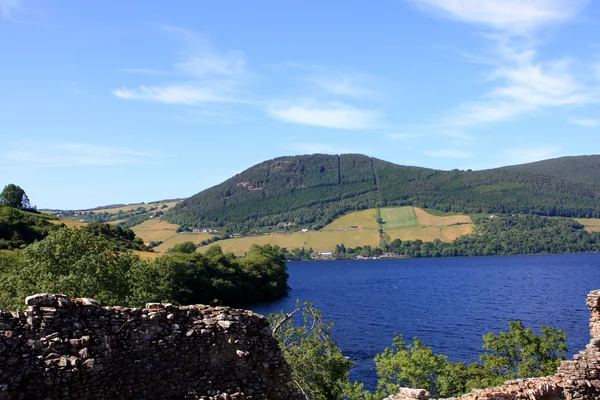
[[120, 102]]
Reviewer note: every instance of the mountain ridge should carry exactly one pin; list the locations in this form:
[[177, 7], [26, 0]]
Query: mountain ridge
[[314, 189]]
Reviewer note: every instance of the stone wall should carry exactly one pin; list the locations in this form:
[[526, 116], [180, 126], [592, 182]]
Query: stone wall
[[62, 348], [575, 379]]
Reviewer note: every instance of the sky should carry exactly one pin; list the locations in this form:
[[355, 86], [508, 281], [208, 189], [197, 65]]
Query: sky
[[123, 102]]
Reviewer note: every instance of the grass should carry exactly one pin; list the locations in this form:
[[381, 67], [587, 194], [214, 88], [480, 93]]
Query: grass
[[130, 207], [424, 218], [157, 230], [180, 238], [366, 219], [319, 241], [398, 217], [430, 233], [591, 224]]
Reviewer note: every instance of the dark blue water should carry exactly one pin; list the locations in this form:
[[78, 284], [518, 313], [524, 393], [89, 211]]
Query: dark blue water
[[448, 303]]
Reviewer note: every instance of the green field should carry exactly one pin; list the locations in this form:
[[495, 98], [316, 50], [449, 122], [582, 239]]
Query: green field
[[398, 217]]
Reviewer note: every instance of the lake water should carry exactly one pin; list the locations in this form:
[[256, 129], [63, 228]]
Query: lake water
[[449, 303]]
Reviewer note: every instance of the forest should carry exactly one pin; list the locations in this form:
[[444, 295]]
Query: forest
[[313, 190]]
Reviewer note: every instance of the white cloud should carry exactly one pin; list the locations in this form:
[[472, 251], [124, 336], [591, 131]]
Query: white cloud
[[209, 63], [328, 115], [208, 76], [530, 154], [525, 85], [71, 154], [514, 17], [448, 153], [190, 94], [587, 122], [521, 81]]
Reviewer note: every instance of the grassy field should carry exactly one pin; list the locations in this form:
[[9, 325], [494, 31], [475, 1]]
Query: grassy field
[[155, 230], [130, 207], [354, 229], [366, 219], [591, 224], [360, 228], [424, 218], [398, 217]]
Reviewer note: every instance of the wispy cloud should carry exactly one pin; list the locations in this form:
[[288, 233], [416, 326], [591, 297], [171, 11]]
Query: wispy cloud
[[515, 17], [448, 153], [311, 148], [70, 154], [329, 115], [189, 93], [344, 84], [587, 122], [522, 82], [207, 75]]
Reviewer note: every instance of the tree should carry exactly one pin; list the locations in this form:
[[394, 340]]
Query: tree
[[74, 262], [319, 369], [520, 353], [416, 365], [14, 196], [184, 247]]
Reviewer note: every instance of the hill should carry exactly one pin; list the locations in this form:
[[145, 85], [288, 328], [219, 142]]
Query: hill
[[313, 190]]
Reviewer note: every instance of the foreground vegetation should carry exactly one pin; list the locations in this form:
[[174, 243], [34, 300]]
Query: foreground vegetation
[[85, 263], [320, 371]]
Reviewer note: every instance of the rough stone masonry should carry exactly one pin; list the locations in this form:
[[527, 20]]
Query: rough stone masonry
[[62, 348]]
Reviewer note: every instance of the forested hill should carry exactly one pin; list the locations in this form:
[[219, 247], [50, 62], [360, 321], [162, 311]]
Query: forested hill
[[315, 189]]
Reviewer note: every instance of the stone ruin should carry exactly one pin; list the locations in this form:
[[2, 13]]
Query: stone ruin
[[575, 379], [61, 348]]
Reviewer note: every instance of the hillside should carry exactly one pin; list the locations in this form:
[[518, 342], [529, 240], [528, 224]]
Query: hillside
[[313, 190], [359, 228]]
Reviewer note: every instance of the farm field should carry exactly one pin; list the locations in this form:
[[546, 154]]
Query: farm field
[[180, 238], [398, 217], [360, 228], [427, 219], [130, 207], [366, 219], [323, 240], [591, 224], [155, 230]]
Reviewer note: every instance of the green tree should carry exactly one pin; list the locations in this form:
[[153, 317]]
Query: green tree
[[14, 196], [319, 369], [184, 247], [71, 261], [416, 365], [520, 353]]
